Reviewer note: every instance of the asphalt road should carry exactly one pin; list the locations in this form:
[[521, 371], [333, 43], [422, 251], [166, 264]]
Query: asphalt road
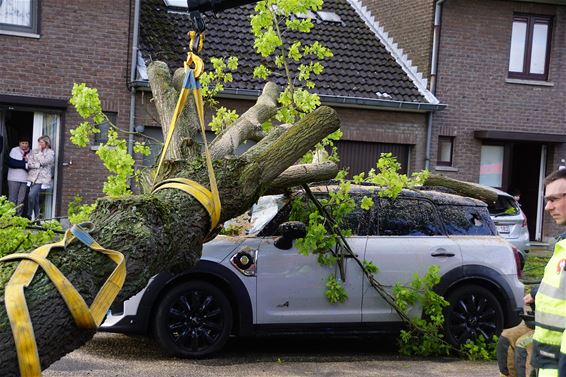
[[112, 355]]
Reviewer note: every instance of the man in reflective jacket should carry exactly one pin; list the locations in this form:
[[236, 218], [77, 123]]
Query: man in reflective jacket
[[549, 339]]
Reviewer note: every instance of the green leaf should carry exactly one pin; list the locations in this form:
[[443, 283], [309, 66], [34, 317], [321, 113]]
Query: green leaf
[[335, 291], [367, 203]]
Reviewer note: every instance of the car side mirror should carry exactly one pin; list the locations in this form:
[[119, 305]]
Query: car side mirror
[[289, 231]]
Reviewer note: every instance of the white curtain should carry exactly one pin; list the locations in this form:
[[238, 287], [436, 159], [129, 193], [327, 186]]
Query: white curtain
[[3, 148], [15, 12], [48, 124]]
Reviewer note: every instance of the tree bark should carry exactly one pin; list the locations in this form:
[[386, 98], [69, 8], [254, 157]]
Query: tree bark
[[462, 188], [156, 232], [295, 175]]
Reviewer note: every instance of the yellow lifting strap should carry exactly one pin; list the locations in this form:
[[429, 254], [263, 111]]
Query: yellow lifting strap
[[85, 317], [210, 200]]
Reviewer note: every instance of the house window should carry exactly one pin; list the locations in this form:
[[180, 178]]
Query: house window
[[491, 165], [530, 47], [19, 16], [102, 136], [445, 150]]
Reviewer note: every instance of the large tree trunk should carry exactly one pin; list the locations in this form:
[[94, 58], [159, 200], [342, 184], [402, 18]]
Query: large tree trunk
[[165, 230]]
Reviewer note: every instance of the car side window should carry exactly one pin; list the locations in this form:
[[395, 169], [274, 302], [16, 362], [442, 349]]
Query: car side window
[[466, 220], [504, 206], [358, 220], [271, 228], [407, 217]]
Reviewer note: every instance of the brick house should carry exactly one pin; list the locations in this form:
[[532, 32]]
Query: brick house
[[499, 67], [380, 97], [46, 46]]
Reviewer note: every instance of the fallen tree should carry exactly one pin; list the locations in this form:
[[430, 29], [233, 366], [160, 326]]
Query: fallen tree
[[166, 230], [462, 188]]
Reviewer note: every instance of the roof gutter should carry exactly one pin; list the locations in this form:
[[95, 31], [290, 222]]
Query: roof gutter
[[338, 101], [343, 101]]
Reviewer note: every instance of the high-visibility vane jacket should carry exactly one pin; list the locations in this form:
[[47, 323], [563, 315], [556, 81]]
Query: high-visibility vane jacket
[[549, 339]]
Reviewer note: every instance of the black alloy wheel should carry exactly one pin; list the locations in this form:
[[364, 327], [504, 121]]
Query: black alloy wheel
[[194, 319], [473, 311]]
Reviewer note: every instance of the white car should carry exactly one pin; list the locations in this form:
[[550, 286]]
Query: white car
[[259, 284], [511, 222]]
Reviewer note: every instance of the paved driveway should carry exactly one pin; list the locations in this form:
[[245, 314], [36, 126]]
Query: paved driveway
[[112, 355]]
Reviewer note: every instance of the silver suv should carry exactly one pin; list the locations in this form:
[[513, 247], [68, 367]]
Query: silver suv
[[510, 222], [259, 284]]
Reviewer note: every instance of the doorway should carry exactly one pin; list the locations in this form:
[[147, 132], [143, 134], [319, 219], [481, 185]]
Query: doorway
[[14, 127], [17, 124], [524, 171]]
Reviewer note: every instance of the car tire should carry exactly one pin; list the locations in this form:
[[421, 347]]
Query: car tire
[[473, 311], [194, 319]]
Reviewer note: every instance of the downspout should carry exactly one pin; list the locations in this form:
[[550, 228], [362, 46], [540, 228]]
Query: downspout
[[433, 73], [133, 70]]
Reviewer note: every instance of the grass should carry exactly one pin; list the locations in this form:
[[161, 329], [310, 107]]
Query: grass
[[534, 269]]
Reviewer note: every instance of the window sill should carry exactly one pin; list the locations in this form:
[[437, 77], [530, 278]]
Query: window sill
[[529, 82], [446, 168], [20, 34]]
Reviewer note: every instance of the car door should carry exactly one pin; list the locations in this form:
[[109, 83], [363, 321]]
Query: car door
[[405, 238], [291, 287]]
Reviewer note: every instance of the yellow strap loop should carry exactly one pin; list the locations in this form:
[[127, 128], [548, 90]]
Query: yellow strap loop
[[85, 317], [210, 200]]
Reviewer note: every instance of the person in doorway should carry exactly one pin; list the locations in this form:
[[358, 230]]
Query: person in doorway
[[40, 165], [549, 338], [17, 175], [515, 193]]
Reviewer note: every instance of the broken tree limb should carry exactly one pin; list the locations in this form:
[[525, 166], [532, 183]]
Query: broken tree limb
[[248, 125], [462, 188], [297, 175], [165, 97]]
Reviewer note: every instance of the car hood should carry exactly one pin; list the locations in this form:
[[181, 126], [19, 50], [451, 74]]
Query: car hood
[[220, 247]]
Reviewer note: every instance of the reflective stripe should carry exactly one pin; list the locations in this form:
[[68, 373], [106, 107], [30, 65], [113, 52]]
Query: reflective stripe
[[544, 355], [555, 292], [547, 373], [550, 321], [546, 327]]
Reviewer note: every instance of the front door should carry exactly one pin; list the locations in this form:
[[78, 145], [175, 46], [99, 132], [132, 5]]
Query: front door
[[291, 286], [406, 238]]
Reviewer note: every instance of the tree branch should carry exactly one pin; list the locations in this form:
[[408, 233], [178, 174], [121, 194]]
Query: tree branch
[[165, 98], [297, 175], [247, 126]]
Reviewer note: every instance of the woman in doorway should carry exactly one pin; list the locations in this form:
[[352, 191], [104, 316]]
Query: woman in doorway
[[40, 163]]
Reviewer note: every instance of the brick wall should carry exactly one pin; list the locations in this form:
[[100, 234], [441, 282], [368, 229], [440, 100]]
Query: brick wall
[[81, 41], [410, 23], [472, 71]]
